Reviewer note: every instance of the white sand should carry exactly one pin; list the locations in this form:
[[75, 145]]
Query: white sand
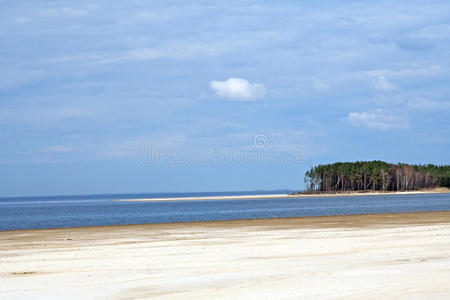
[[211, 198], [359, 257]]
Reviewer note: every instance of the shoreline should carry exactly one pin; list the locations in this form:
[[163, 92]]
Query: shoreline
[[328, 219], [287, 196], [278, 258]]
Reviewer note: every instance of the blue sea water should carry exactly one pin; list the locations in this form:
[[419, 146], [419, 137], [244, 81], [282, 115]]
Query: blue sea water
[[95, 210]]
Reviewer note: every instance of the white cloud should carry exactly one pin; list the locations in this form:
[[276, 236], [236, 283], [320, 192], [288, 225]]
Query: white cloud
[[422, 71], [319, 84], [410, 102], [63, 12], [380, 78], [380, 82], [422, 104], [431, 70], [35, 115], [377, 119], [178, 49], [238, 89], [59, 149]]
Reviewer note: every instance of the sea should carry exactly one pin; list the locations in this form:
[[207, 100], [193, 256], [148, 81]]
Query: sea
[[18, 213]]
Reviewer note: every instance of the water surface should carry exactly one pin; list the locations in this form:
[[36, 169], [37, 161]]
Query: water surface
[[95, 210]]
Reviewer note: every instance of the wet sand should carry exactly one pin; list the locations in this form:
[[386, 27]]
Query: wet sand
[[404, 255]]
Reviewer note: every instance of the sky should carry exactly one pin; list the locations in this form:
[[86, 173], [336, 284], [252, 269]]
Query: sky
[[192, 96]]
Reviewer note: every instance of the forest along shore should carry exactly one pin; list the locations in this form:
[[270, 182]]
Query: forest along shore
[[375, 176]]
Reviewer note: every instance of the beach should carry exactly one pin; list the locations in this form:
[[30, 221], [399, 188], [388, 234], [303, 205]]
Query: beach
[[404, 255]]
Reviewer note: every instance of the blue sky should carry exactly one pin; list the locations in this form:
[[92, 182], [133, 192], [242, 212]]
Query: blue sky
[[89, 90]]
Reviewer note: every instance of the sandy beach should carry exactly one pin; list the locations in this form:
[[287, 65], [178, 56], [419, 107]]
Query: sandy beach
[[366, 256], [300, 195]]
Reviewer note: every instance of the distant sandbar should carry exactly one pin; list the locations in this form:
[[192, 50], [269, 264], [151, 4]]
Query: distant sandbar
[[284, 196]]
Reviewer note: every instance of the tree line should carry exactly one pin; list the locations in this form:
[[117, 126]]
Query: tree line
[[375, 176]]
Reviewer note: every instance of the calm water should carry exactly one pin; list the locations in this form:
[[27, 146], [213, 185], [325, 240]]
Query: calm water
[[74, 211]]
